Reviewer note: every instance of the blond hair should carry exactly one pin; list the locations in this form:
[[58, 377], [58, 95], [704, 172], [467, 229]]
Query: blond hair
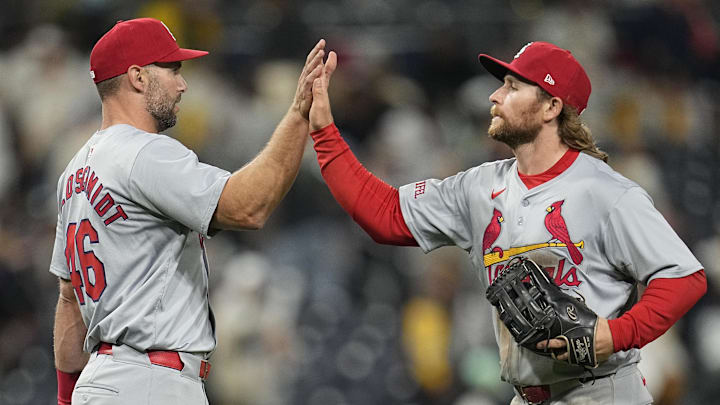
[[573, 132]]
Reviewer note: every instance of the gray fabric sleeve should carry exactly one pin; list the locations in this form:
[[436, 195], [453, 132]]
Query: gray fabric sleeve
[[436, 212], [58, 263], [168, 179], [640, 242]]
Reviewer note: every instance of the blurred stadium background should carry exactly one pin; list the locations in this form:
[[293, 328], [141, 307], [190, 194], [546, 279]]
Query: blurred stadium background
[[310, 310]]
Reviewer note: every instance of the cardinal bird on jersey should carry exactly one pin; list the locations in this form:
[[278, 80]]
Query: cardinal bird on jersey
[[555, 224], [492, 232]]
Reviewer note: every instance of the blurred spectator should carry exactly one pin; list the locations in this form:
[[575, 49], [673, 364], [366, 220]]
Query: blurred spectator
[[664, 366], [8, 163], [47, 90]]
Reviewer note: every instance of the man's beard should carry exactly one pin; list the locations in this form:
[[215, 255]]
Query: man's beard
[[160, 105], [514, 135]]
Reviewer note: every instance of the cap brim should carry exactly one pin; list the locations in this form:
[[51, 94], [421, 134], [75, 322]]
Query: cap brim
[[183, 54], [498, 68]]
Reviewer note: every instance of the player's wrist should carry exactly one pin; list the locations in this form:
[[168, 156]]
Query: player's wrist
[[604, 347], [327, 130], [66, 385], [296, 114]]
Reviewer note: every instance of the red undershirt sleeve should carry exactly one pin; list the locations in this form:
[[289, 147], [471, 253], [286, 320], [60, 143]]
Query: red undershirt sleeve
[[372, 203], [66, 385], [664, 302]]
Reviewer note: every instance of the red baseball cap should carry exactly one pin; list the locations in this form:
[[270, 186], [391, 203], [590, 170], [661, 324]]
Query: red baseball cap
[[141, 41], [552, 68]]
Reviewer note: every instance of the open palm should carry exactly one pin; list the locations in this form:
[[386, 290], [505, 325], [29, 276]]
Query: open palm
[[320, 114]]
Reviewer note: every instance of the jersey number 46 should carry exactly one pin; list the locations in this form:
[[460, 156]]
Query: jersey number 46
[[89, 263]]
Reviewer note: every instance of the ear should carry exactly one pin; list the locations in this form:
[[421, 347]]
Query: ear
[[553, 108], [138, 78]]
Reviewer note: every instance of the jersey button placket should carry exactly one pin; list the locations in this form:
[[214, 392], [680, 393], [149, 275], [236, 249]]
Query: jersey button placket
[[525, 203]]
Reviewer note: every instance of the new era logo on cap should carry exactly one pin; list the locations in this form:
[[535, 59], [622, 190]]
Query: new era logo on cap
[[141, 41], [552, 68]]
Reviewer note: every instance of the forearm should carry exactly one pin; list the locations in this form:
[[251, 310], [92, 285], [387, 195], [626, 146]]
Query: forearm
[[69, 334], [664, 302], [372, 203], [253, 192]]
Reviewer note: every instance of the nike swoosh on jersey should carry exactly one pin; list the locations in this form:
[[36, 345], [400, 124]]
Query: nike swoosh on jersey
[[494, 194]]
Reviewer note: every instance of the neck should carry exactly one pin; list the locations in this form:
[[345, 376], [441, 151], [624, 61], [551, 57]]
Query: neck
[[541, 154], [119, 110]]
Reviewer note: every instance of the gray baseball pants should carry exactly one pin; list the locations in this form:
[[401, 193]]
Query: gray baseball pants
[[127, 377]]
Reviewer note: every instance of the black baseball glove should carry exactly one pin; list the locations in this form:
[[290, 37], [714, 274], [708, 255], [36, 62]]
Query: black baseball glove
[[535, 309]]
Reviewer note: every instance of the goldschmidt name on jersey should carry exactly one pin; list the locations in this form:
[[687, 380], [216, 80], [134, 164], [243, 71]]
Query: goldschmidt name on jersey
[[82, 182]]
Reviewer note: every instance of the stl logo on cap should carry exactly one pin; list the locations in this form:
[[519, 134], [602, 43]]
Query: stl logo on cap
[[140, 42], [520, 52], [168, 30]]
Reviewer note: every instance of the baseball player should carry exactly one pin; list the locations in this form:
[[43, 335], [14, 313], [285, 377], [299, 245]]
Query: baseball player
[[134, 211], [557, 202]]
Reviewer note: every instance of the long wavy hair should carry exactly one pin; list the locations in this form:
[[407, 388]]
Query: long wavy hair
[[573, 132]]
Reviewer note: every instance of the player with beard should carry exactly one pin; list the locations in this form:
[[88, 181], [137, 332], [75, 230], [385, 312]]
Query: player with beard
[[134, 210], [556, 202], [158, 102]]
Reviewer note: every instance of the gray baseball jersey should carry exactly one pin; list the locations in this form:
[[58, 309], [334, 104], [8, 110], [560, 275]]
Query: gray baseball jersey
[[133, 212], [595, 232]]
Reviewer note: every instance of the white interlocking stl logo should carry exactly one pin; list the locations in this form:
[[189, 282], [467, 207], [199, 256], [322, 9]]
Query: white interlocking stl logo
[[581, 349], [571, 312], [517, 55], [168, 30], [549, 80]]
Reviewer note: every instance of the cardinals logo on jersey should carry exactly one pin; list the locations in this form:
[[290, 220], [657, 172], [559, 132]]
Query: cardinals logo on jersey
[[555, 224], [494, 256], [492, 232]]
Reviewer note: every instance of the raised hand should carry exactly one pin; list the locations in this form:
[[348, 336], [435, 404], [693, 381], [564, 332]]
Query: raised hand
[[320, 114], [312, 70]]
